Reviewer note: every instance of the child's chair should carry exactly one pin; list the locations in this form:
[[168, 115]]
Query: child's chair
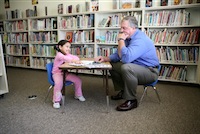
[[153, 85], [49, 67]]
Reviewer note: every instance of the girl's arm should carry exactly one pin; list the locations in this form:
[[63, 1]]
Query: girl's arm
[[68, 58]]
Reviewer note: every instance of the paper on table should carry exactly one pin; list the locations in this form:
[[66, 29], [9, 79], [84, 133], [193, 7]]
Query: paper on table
[[83, 63], [90, 64]]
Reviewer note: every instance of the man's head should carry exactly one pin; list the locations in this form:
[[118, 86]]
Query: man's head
[[129, 24]]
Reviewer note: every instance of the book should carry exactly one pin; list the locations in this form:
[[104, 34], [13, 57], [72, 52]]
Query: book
[[126, 4], [94, 5], [87, 6], [70, 9], [148, 3], [78, 8], [177, 2], [69, 36], [54, 23], [35, 10], [137, 4], [46, 11], [105, 22], [60, 9], [164, 3], [115, 4], [29, 12]]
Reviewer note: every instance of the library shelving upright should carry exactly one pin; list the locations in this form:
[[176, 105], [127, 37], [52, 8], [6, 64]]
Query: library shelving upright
[[3, 75], [2, 35], [79, 29], [175, 31], [43, 36], [16, 41]]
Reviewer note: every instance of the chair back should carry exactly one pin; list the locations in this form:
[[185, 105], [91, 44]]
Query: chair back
[[156, 81], [49, 67]]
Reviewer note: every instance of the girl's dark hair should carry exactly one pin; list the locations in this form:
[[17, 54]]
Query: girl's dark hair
[[60, 43]]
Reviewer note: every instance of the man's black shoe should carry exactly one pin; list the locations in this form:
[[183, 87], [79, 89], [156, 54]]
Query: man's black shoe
[[118, 96], [127, 105]]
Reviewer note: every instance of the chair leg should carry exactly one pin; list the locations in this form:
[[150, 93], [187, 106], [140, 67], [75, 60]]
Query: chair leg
[[157, 94], [48, 93], [145, 91], [63, 100]]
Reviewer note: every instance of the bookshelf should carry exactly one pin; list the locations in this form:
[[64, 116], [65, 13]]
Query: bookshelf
[[175, 33], [16, 42], [3, 75], [94, 33], [43, 36]]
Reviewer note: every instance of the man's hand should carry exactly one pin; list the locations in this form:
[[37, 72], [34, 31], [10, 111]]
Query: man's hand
[[101, 59]]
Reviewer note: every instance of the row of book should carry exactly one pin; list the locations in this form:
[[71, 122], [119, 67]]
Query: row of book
[[16, 26], [167, 18], [83, 51], [40, 62], [174, 36], [109, 37], [126, 4], [177, 54], [17, 49], [18, 61], [80, 21], [50, 37], [43, 50], [14, 14], [106, 51], [115, 20], [80, 36], [15, 38], [173, 72], [90, 6], [43, 24]]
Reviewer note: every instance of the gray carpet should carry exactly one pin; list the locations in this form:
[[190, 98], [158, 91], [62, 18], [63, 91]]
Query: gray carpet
[[178, 113]]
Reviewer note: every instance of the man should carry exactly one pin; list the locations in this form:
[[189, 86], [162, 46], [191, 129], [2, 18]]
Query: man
[[134, 63]]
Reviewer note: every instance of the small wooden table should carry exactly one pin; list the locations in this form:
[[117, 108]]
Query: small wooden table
[[104, 66]]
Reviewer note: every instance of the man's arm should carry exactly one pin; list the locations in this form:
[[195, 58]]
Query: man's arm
[[121, 43]]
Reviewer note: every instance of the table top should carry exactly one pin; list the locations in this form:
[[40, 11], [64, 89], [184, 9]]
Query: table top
[[87, 64]]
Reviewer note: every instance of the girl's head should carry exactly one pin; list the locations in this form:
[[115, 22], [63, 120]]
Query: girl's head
[[63, 47]]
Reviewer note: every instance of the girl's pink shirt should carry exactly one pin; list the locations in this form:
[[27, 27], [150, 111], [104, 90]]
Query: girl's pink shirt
[[60, 59]]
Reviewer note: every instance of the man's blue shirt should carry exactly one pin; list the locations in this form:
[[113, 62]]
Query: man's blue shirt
[[139, 50]]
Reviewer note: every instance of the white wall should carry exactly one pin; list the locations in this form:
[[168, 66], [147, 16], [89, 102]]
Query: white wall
[[51, 6]]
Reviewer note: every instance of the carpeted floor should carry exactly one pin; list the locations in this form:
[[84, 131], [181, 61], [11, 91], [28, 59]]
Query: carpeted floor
[[178, 113]]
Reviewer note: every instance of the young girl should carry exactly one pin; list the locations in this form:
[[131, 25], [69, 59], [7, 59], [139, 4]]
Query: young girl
[[63, 55]]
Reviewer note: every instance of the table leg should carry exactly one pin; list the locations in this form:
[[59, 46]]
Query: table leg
[[107, 91], [63, 88], [103, 78]]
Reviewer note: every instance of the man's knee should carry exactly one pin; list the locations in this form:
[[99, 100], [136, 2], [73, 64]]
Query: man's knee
[[125, 68]]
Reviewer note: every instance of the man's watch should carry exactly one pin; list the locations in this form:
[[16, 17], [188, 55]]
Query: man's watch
[[120, 39]]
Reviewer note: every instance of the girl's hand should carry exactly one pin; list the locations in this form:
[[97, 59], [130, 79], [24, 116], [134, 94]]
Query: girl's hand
[[76, 61]]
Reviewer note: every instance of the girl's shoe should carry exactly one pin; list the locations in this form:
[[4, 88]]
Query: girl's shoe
[[56, 105], [80, 98]]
